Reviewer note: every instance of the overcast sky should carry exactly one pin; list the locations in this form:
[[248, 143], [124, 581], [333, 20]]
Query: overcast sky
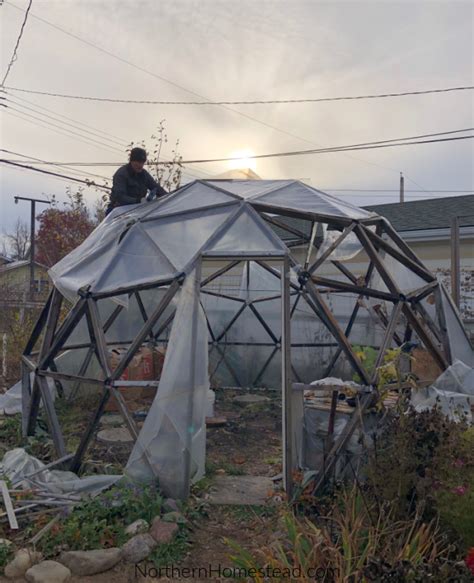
[[242, 50]]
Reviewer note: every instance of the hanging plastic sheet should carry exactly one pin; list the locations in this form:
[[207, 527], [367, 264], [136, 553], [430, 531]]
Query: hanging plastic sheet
[[171, 444], [452, 393]]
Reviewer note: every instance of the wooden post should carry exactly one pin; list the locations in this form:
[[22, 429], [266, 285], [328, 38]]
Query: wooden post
[[287, 425], [455, 263]]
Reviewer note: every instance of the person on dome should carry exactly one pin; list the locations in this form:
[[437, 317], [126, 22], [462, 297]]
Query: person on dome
[[131, 183]]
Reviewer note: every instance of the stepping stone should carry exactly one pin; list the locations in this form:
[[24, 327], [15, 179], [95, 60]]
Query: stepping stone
[[250, 399], [112, 419], [248, 490], [115, 436]]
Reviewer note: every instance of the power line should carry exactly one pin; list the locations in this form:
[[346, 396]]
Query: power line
[[161, 78], [96, 132], [351, 148], [48, 172], [33, 160], [241, 102], [17, 44]]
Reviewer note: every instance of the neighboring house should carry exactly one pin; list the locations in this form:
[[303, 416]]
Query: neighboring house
[[425, 226], [15, 282]]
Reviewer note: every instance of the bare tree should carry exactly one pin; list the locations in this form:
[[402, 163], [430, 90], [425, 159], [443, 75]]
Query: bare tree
[[18, 240]]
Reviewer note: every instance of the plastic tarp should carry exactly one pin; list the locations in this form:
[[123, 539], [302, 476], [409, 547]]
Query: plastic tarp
[[172, 440], [17, 465], [299, 196], [452, 393], [11, 401]]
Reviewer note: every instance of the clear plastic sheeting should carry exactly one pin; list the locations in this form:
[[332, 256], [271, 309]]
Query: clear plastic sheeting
[[460, 344], [171, 444], [11, 401], [17, 466], [452, 393], [299, 196], [249, 188]]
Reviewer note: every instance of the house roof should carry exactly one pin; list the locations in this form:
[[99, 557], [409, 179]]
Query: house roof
[[436, 213], [17, 264]]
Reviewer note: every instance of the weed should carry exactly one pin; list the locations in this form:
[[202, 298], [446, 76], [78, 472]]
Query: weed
[[172, 552], [6, 553]]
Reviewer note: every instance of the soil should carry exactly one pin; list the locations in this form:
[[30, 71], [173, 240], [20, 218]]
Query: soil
[[249, 444]]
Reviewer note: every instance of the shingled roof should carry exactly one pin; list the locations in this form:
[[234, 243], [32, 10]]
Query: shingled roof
[[436, 213]]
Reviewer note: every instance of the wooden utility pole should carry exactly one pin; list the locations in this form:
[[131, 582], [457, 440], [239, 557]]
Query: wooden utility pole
[[33, 202], [455, 262], [402, 188]]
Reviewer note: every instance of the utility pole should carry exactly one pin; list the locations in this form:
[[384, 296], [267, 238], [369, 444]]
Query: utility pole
[[455, 262], [33, 202], [402, 188]]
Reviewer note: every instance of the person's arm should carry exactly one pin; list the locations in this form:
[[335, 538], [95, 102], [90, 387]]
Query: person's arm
[[153, 185], [119, 185]]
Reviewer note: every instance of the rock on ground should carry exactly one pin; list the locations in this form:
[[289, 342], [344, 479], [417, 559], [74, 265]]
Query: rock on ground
[[48, 572], [170, 505], [90, 562], [163, 532], [137, 527], [138, 548], [23, 560]]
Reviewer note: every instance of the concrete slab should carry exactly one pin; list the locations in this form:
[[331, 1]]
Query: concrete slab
[[112, 419], [248, 490]]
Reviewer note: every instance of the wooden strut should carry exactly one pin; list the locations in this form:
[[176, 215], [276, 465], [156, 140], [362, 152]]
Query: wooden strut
[[31, 408], [109, 388], [389, 334]]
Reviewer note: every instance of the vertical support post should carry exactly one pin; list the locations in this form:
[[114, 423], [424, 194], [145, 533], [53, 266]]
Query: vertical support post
[[32, 250], [402, 188], [287, 425], [25, 398], [455, 263]]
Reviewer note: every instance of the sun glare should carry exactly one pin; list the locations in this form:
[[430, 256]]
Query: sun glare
[[243, 160]]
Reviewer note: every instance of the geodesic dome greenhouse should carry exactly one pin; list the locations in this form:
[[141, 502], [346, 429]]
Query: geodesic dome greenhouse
[[244, 283]]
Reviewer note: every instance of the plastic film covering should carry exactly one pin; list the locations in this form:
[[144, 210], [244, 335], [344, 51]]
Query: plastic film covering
[[172, 439], [299, 196], [195, 196], [461, 348], [249, 188]]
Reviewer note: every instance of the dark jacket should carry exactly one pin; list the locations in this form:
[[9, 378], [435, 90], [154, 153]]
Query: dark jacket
[[129, 187]]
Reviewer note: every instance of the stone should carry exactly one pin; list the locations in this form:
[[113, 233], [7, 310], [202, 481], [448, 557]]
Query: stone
[[251, 490], [112, 419], [163, 532], [137, 527], [23, 560], [84, 563], [138, 548], [250, 399], [5, 542], [174, 516], [170, 505], [115, 436], [48, 572]]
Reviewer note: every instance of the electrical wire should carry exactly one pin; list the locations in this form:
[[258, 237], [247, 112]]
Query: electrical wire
[[241, 102], [48, 172], [172, 83], [17, 44]]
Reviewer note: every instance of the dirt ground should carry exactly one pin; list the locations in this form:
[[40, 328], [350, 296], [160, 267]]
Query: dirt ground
[[248, 444]]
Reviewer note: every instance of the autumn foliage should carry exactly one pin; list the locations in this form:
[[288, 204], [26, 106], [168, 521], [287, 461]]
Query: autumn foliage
[[62, 229]]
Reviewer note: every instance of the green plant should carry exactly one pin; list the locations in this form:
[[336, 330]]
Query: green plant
[[172, 552], [354, 537], [6, 553], [101, 521]]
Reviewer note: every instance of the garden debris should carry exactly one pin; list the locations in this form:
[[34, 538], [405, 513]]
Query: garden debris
[[115, 436], [137, 527], [23, 560], [48, 572], [17, 465], [248, 490], [162, 531], [138, 548], [452, 392], [174, 516], [8, 505], [83, 563]]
